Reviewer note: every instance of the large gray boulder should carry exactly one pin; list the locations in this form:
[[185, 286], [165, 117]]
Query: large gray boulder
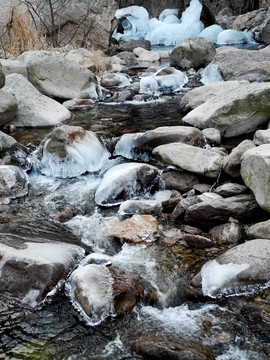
[[201, 94], [240, 207], [236, 112], [8, 107], [244, 269], [190, 158], [240, 64], [34, 109], [8, 143], [124, 181], [192, 53], [55, 76], [130, 144], [13, 66], [13, 182], [255, 171]]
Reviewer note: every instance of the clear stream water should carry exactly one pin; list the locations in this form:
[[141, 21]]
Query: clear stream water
[[230, 327]]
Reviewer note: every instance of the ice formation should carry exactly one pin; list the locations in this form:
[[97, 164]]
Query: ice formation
[[211, 75], [164, 81], [211, 32], [169, 30], [232, 37], [83, 154], [215, 277], [91, 293]]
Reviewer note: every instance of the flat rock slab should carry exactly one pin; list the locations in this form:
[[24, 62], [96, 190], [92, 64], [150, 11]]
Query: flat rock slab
[[255, 171], [196, 160], [139, 229], [236, 112], [240, 207]]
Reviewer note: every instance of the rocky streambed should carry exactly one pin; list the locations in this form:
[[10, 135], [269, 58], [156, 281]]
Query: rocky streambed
[[134, 216]]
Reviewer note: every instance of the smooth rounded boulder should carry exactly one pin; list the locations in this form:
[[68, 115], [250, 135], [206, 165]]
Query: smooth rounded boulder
[[255, 171], [34, 109], [192, 53], [55, 76], [190, 158]]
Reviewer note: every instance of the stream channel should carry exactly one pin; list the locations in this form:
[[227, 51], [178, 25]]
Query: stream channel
[[232, 327]]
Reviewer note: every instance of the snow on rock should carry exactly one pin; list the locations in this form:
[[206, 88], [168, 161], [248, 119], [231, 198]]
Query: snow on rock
[[232, 37], [211, 75], [69, 151], [125, 181]]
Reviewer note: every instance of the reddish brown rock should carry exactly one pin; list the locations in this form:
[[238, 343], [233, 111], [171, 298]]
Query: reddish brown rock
[[127, 290], [139, 229], [154, 345], [197, 241], [191, 229], [170, 237]]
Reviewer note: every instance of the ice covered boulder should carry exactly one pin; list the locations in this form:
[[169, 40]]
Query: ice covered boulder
[[236, 112], [69, 151], [232, 37], [255, 171], [241, 270], [13, 67], [211, 32], [55, 76], [193, 53], [34, 109], [201, 94], [98, 292], [190, 158], [242, 64], [139, 229], [31, 271], [13, 182], [165, 81], [8, 107], [241, 207], [125, 181], [211, 75], [131, 144]]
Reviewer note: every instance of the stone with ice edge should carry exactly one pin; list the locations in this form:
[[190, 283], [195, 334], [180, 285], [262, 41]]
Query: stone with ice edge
[[91, 292], [73, 153], [211, 32], [166, 80], [125, 181], [231, 37]]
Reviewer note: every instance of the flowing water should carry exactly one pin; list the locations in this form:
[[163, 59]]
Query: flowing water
[[58, 331]]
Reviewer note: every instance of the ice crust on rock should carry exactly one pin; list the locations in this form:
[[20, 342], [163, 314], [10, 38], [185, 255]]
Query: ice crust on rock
[[232, 37], [165, 81], [215, 276], [82, 155], [211, 32], [211, 74], [91, 293]]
